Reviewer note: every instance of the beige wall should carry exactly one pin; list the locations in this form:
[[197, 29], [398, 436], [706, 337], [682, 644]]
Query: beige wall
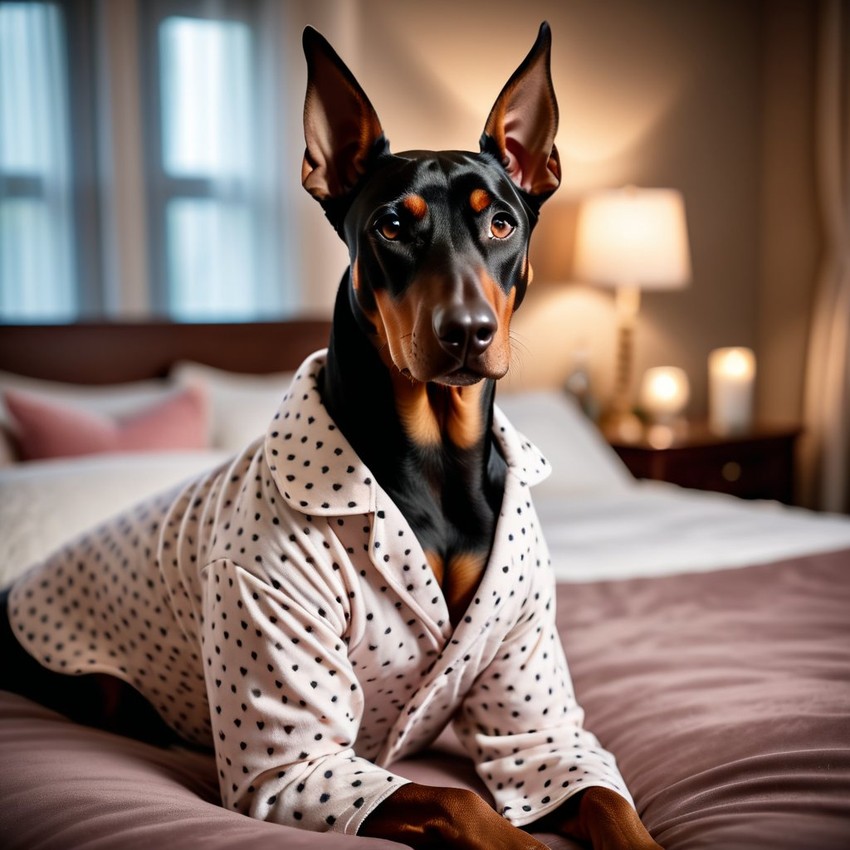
[[709, 97]]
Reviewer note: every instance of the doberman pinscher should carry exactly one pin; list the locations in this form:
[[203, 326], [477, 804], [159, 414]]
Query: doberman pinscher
[[251, 609], [438, 245]]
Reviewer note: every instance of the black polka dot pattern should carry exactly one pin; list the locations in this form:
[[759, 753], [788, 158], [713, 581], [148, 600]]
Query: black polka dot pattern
[[281, 611]]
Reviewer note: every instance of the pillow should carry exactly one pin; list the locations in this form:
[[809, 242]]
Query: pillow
[[108, 399], [241, 406], [581, 460], [45, 428]]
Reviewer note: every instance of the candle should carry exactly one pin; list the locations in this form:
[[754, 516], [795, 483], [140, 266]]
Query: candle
[[664, 393], [731, 375]]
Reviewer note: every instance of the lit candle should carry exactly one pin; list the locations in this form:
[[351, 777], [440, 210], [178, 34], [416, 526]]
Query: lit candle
[[731, 375], [664, 393]]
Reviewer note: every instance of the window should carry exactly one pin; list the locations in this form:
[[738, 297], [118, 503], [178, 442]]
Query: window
[[37, 263], [138, 148], [210, 237]]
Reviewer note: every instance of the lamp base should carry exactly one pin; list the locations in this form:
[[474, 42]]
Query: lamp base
[[622, 425], [618, 421]]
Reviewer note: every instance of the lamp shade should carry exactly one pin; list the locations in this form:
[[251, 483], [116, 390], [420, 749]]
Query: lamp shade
[[633, 237]]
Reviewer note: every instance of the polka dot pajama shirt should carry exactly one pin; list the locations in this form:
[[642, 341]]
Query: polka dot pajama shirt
[[280, 610]]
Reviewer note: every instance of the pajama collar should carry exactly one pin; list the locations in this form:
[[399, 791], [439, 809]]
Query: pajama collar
[[318, 472]]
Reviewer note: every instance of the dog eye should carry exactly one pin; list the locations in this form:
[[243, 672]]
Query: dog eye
[[502, 226], [389, 227]]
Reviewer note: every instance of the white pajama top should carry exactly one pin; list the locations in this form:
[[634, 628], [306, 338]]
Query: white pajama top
[[281, 610]]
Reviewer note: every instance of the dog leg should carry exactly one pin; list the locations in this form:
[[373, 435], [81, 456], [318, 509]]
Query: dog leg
[[432, 818], [603, 819]]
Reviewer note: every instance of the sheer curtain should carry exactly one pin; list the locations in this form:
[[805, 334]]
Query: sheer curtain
[[827, 413], [36, 221]]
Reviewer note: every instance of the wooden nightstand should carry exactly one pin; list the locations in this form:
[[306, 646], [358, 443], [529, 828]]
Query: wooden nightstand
[[755, 465]]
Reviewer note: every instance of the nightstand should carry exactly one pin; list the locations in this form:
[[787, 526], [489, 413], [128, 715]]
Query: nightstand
[[755, 465]]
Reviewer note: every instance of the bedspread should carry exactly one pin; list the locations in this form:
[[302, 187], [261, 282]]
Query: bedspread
[[724, 695], [726, 698]]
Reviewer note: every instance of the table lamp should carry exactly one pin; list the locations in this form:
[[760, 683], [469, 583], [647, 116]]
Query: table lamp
[[631, 239]]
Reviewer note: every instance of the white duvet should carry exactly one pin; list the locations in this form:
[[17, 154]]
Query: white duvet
[[600, 523], [655, 529]]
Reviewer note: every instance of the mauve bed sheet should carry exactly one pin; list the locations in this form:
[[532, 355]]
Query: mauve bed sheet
[[725, 696]]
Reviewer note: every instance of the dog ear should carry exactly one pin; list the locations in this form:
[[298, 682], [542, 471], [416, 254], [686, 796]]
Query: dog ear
[[524, 120], [340, 126]]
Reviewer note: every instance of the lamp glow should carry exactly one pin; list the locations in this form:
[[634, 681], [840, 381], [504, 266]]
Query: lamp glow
[[633, 237], [664, 393]]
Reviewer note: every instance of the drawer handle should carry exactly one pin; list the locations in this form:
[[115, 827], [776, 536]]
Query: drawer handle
[[731, 471]]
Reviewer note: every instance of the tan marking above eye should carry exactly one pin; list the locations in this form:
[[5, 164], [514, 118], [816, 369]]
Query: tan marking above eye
[[479, 200], [415, 205]]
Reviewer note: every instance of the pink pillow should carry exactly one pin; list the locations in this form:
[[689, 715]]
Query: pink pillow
[[48, 429]]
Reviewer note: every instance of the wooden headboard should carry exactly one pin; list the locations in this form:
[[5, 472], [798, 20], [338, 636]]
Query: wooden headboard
[[112, 352]]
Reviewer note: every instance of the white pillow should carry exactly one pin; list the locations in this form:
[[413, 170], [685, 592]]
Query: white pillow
[[581, 460], [241, 406], [43, 504]]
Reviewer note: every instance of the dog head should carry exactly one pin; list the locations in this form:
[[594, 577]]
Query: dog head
[[438, 241]]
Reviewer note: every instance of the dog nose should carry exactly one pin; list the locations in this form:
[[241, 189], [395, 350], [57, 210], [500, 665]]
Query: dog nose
[[464, 330]]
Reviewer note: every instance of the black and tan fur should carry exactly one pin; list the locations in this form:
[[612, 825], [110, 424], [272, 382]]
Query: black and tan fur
[[438, 245], [439, 261]]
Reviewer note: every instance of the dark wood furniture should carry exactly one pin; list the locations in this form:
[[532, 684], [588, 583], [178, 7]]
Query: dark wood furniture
[[756, 465]]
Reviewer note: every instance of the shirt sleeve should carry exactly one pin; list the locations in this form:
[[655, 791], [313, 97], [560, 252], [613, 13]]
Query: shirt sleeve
[[285, 703], [521, 723]]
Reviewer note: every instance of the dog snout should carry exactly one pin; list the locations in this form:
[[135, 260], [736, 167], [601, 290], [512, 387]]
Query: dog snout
[[465, 330]]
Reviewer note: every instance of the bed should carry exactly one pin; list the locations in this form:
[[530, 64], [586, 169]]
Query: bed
[[709, 638]]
